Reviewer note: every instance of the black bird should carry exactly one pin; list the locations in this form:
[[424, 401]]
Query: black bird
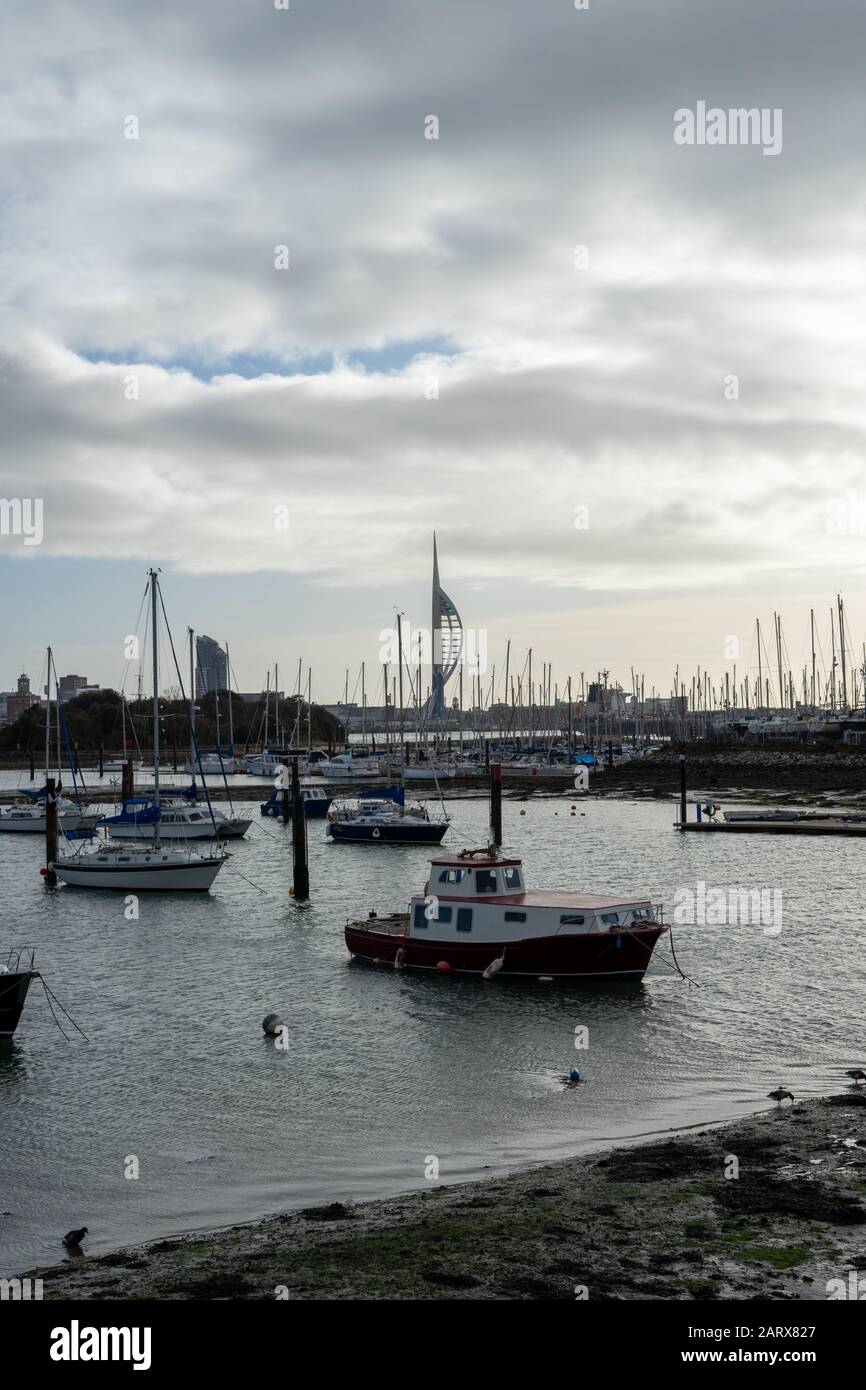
[[857, 1075], [74, 1238], [779, 1095]]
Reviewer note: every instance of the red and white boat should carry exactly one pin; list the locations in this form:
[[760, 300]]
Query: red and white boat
[[477, 916]]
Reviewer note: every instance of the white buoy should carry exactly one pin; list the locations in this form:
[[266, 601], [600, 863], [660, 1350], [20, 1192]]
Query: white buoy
[[493, 968], [272, 1023]]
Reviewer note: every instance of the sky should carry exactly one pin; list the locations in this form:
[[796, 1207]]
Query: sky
[[258, 329]]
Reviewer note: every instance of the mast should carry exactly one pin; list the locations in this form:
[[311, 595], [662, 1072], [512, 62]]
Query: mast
[[277, 702], [48, 720], [778, 621], [363, 707], [309, 712], [812, 627], [400, 675], [155, 635], [267, 708], [841, 607], [231, 712], [760, 672], [191, 700]]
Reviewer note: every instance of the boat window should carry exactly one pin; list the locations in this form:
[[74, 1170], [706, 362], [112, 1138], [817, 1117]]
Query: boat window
[[451, 875], [569, 920], [485, 881], [419, 920], [641, 914], [512, 878], [515, 916], [464, 919], [443, 913], [610, 917]]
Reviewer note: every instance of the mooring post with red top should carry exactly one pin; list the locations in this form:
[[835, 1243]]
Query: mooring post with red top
[[496, 803]]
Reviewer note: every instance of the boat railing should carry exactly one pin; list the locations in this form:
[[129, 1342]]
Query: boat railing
[[11, 963]]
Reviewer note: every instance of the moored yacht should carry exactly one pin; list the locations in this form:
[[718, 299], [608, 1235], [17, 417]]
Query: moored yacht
[[476, 916], [140, 868], [29, 816], [177, 820], [385, 821]]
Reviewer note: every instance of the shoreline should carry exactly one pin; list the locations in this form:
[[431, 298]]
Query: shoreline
[[653, 1219]]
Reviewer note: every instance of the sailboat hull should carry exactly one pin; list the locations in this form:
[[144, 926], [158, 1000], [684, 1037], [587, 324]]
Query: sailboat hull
[[191, 876], [35, 825]]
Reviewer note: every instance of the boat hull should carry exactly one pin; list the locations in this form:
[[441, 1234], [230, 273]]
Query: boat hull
[[316, 808], [126, 878], [35, 825], [347, 833], [13, 992], [593, 954], [226, 830]]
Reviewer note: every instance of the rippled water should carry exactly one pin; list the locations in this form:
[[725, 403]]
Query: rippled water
[[384, 1069]]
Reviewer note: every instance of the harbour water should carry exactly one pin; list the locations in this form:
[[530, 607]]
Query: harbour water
[[385, 1070]]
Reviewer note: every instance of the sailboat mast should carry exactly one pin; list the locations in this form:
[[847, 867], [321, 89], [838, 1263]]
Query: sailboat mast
[[231, 712], [191, 699], [48, 719], [155, 639], [760, 673]]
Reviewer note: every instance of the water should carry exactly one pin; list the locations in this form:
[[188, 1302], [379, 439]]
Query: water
[[385, 1069]]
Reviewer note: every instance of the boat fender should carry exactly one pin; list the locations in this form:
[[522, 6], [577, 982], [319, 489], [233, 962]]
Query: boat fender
[[493, 968], [443, 967], [377, 834], [400, 959]]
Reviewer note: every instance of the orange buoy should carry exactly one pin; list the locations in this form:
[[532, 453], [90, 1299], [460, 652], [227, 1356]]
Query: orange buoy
[[443, 967]]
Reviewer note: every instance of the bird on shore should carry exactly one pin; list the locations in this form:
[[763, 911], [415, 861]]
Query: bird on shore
[[779, 1095], [857, 1075], [73, 1239]]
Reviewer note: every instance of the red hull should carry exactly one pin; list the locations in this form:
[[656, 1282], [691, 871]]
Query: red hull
[[596, 954]]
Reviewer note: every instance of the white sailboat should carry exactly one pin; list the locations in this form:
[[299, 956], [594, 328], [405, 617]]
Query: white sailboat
[[132, 868]]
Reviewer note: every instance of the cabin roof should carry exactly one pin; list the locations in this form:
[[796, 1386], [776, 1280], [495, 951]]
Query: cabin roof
[[459, 861]]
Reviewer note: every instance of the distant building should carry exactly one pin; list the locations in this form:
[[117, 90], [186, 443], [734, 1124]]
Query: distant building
[[211, 667], [70, 686], [19, 701]]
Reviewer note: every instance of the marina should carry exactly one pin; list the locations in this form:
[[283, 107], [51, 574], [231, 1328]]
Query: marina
[[433, 704], [429, 1048]]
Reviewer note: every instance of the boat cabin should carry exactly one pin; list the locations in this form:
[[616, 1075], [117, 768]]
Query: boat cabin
[[476, 893]]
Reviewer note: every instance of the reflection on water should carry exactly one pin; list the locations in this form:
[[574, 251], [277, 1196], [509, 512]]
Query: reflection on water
[[385, 1068]]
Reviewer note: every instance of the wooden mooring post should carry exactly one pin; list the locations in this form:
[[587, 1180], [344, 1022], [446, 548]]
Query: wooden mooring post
[[683, 803], [50, 832], [496, 803], [301, 881], [287, 805], [126, 782]]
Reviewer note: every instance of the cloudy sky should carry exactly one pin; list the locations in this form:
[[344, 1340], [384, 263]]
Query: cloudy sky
[[438, 353]]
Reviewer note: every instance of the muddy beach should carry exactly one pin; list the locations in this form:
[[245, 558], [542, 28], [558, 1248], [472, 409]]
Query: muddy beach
[[768, 1207]]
